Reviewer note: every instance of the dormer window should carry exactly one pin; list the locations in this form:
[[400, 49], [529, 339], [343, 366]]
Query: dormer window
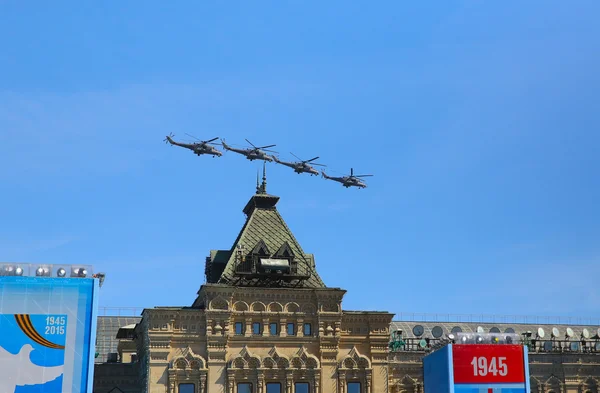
[[261, 249]]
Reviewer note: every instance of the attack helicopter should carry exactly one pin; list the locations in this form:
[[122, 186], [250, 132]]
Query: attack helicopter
[[348, 181], [199, 148], [300, 166], [255, 153]]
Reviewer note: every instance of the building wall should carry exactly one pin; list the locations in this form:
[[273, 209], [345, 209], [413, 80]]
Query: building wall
[[200, 346], [179, 349]]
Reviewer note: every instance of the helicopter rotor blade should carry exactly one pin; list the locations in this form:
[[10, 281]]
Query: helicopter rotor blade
[[362, 175], [314, 163], [272, 151], [312, 159], [297, 157], [264, 147], [191, 136], [210, 140], [251, 144]]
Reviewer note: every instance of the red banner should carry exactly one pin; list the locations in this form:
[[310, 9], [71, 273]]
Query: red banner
[[488, 363]]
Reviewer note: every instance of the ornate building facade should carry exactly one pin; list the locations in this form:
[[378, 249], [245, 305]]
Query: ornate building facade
[[266, 323]]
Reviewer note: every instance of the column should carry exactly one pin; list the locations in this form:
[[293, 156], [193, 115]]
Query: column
[[288, 382], [260, 382], [230, 384], [316, 382], [341, 382], [300, 327], [248, 331], [203, 384], [283, 328], [265, 329]]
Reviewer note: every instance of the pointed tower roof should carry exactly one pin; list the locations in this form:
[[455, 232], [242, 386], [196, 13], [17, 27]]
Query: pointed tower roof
[[257, 256]]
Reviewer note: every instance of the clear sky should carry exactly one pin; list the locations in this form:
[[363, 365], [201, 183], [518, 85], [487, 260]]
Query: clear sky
[[479, 120]]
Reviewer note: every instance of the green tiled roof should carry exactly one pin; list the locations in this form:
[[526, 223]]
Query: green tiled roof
[[265, 223]]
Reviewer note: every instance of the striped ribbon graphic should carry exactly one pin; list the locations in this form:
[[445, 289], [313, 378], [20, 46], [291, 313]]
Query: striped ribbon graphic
[[26, 326]]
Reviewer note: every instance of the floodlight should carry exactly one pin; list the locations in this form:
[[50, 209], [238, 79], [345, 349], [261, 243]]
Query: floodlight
[[78, 272], [451, 337], [509, 340], [11, 270], [61, 272], [42, 271], [479, 339]]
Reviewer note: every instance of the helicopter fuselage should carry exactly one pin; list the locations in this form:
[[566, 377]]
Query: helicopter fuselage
[[256, 154], [298, 167]]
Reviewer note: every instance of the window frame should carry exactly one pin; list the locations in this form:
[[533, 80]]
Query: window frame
[[287, 329], [271, 325], [359, 383], [237, 386], [186, 384], [235, 330], [303, 383], [260, 328], [309, 325], [273, 383]]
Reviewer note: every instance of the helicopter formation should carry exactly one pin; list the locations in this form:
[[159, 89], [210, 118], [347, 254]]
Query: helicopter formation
[[254, 152]]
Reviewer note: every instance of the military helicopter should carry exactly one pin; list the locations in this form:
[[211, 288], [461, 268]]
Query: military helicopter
[[301, 166], [199, 148], [256, 153], [348, 181]]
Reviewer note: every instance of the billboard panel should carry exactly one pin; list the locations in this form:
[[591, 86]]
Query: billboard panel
[[47, 334], [485, 368], [436, 373]]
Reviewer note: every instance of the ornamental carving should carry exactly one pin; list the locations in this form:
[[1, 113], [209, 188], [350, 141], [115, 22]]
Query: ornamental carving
[[354, 360], [188, 360]]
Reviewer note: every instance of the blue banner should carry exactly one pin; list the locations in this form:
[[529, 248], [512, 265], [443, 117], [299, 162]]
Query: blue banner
[[47, 334]]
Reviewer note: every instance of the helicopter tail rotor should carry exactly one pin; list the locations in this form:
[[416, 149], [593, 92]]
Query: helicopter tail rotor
[[167, 139]]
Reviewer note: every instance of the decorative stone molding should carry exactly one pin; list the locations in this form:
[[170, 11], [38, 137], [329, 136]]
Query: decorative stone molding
[[187, 367], [246, 367], [218, 304], [355, 367]]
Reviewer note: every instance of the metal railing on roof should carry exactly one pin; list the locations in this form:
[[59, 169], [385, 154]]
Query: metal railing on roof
[[120, 311], [491, 318]]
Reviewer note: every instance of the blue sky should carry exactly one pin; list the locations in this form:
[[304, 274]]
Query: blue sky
[[478, 119]]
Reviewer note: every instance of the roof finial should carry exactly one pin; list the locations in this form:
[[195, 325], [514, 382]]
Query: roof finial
[[257, 185], [263, 187]]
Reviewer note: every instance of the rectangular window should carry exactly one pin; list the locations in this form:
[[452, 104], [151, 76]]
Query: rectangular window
[[307, 329], [353, 387], [256, 328], [301, 387], [273, 387], [273, 328], [244, 388], [186, 388], [291, 329], [239, 328]]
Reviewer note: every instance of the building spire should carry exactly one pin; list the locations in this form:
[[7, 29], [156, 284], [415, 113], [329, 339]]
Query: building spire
[[257, 185], [264, 182], [262, 188]]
